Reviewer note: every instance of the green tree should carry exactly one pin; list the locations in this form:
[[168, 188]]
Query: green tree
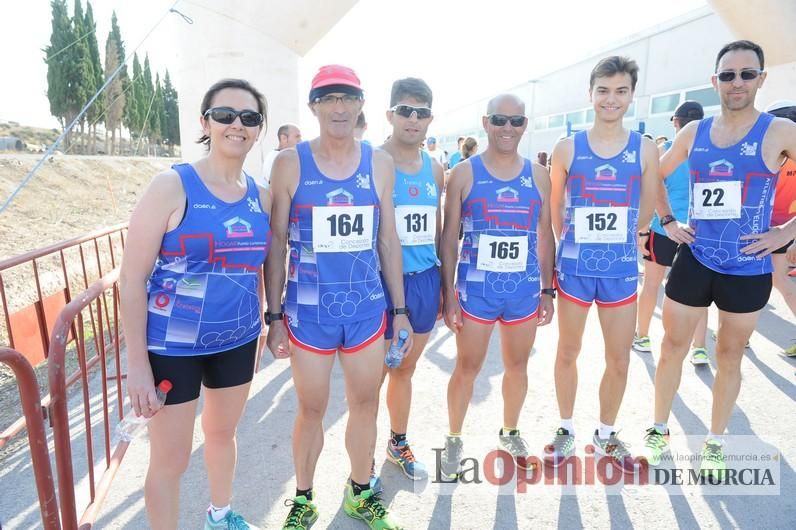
[[58, 63], [81, 75], [155, 114], [95, 111], [114, 95], [172, 111], [135, 96], [148, 100]]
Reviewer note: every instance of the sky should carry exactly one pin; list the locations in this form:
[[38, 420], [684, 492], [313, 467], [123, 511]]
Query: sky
[[466, 50]]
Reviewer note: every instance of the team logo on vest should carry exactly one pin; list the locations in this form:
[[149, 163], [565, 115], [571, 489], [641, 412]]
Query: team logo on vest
[[339, 197], [721, 168], [254, 206], [431, 190], [749, 149], [605, 172], [508, 194], [363, 182], [629, 157], [527, 182], [413, 191], [237, 227]]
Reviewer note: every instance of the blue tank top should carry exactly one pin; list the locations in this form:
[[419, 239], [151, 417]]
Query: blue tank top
[[202, 293], [416, 200], [498, 256], [735, 183], [333, 272], [677, 188], [601, 212]]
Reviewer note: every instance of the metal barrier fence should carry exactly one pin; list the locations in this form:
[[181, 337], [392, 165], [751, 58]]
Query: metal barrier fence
[[36, 286]]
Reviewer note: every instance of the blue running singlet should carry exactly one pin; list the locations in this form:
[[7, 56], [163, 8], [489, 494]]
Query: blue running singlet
[[677, 187], [601, 212], [498, 257], [732, 194], [202, 294], [416, 200], [333, 271]]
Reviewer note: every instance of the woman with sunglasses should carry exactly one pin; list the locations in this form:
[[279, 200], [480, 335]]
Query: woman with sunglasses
[[191, 297]]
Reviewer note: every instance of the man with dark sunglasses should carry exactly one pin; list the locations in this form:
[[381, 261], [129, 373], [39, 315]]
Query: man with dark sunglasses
[[335, 214], [418, 186], [734, 159], [604, 185], [504, 272]]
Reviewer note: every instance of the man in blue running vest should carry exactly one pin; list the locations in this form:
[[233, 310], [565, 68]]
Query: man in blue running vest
[[336, 217], [504, 272], [418, 186], [734, 159]]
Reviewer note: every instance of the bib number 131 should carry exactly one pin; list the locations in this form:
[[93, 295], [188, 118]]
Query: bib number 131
[[342, 228]]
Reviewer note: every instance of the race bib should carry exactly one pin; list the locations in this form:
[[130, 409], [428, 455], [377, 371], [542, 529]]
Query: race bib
[[717, 200], [342, 228], [601, 225], [502, 253], [416, 225]]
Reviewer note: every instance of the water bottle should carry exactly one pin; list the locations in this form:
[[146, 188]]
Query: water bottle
[[132, 426], [394, 354]]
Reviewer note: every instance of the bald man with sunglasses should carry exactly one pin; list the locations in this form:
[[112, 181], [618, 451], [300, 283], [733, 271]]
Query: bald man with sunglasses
[[504, 272]]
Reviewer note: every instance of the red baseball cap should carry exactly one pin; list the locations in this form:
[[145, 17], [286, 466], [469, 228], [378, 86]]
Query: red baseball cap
[[335, 74]]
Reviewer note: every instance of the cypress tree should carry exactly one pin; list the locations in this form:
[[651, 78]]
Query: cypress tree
[[114, 95], [57, 62], [95, 111], [172, 110]]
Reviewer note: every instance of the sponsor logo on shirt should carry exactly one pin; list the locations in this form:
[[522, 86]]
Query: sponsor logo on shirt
[[629, 157], [205, 206], [748, 149]]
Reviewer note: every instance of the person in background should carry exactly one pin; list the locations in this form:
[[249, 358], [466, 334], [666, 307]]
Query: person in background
[[456, 157], [288, 135]]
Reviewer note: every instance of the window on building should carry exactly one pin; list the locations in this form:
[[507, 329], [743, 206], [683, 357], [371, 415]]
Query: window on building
[[707, 97], [540, 122], [555, 121], [576, 118], [664, 104]]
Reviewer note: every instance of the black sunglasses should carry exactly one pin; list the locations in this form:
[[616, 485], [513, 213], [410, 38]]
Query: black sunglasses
[[499, 120], [746, 75], [226, 115], [407, 110]]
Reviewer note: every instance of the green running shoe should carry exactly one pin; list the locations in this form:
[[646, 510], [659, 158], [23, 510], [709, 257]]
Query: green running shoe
[[790, 352], [302, 515], [231, 521], [367, 507], [713, 464], [642, 344], [699, 356], [561, 448], [656, 445]]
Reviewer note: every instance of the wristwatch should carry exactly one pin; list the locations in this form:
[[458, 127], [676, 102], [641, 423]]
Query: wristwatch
[[273, 317], [399, 311], [666, 219], [549, 291]]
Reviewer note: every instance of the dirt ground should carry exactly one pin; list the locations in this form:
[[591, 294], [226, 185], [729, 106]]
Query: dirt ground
[[68, 197]]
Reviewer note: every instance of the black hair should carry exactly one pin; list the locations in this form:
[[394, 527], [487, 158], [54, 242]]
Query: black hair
[[361, 123], [241, 84], [741, 45], [410, 87]]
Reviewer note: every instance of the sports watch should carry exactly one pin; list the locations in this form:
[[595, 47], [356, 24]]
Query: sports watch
[[549, 291], [273, 317], [666, 219], [399, 311]]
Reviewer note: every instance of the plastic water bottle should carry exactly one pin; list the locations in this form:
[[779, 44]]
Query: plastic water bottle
[[132, 426], [394, 354]]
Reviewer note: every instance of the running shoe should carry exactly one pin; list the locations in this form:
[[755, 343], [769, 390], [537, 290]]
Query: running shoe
[[401, 455], [517, 447], [656, 445], [231, 521], [713, 460], [616, 450], [642, 344], [451, 461], [790, 352], [302, 515], [367, 507], [375, 480], [699, 356], [561, 448]]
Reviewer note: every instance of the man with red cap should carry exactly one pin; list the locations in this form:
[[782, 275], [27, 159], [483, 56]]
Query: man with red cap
[[334, 213]]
